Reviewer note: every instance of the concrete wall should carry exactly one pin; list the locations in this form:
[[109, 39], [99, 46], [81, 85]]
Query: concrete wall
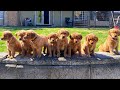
[[61, 72]]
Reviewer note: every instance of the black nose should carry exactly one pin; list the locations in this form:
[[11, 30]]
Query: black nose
[[53, 40], [63, 36], [91, 43], [20, 39], [115, 36], [76, 42]]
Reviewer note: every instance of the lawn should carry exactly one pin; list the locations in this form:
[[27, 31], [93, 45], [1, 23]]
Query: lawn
[[101, 33]]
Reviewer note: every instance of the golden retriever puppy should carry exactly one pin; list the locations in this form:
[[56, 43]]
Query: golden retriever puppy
[[25, 44], [37, 42], [74, 45], [111, 42], [13, 45], [62, 42], [52, 44], [89, 45]]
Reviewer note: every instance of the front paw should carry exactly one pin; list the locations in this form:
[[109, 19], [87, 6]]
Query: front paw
[[49, 55], [112, 53], [11, 57], [58, 55]]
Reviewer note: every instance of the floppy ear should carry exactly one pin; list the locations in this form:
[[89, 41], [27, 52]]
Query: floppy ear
[[71, 37], [10, 35], [86, 38], [33, 34], [48, 37], [81, 37], [109, 32], [96, 39], [68, 33]]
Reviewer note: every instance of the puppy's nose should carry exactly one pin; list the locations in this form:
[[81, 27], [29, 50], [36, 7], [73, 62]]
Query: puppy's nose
[[75, 41], [20, 39], [115, 36], [53, 40], [63, 36], [92, 43]]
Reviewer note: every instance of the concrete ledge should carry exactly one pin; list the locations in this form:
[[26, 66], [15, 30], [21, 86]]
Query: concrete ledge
[[100, 58]]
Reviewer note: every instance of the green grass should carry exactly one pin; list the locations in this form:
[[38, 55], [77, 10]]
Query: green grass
[[101, 33]]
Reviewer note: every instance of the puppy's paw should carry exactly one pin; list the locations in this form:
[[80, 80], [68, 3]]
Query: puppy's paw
[[49, 55], [11, 57], [58, 55], [8, 56], [112, 53]]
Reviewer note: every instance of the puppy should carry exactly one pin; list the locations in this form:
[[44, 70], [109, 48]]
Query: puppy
[[111, 42], [62, 42], [52, 44], [13, 45], [25, 44], [74, 45], [37, 42], [89, 45]]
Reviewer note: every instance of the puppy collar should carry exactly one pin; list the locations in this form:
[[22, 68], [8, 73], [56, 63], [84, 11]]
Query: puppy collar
[[34, 39]]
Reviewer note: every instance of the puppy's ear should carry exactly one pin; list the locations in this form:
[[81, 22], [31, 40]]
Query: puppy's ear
[[71, 37], [68, 33], [10, 35], [86, 38], [109, 32], [33, 34], [81, 37], [96, 39]]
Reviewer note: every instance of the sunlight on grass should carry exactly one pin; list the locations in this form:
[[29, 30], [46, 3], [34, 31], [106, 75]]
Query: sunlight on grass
[[101, 33]]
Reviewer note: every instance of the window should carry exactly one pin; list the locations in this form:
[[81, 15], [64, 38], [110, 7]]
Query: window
[[79, 15], [102, 15]]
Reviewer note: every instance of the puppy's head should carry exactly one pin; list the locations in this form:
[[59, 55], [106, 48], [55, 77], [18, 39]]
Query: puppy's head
[[63, 34], [6, 35], [21, 34], [114, 33], [30, 35], [76, 37], [52, 37], [91, 39]]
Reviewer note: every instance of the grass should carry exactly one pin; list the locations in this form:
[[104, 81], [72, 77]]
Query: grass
[[101, 33]]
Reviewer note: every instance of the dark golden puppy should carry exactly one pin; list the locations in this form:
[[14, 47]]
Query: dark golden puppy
[[62, 42], [111, 42], [74, 45], [25, 44], [13, 45], [37, 42], [52, 44], [89, 46]]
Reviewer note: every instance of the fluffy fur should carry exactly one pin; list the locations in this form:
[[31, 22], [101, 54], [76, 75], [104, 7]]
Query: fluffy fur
[[89, 45], [111, 42], [25, 44], [13, 45], [74, 45], [62, 42], [37, 42]]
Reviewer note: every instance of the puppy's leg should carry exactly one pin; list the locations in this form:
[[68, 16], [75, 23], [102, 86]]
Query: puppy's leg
[[9, 54], [69, 51], [87, 52], [65, 51], [23, 52], [58, 51], [12, 54], [79, 50], [39, 52], [54, 52], [92, 53], [116, 49], [34, 53], [111, 50], [49, 52]]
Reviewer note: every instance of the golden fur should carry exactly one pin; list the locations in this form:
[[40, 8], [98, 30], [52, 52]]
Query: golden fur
[[62, 42], [111, 42], [38, 41], [52, 44], [74, 45], [13, 45], [25, 44], [89, 45]]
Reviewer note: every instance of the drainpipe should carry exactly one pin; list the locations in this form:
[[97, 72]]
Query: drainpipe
[[20, 18]]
